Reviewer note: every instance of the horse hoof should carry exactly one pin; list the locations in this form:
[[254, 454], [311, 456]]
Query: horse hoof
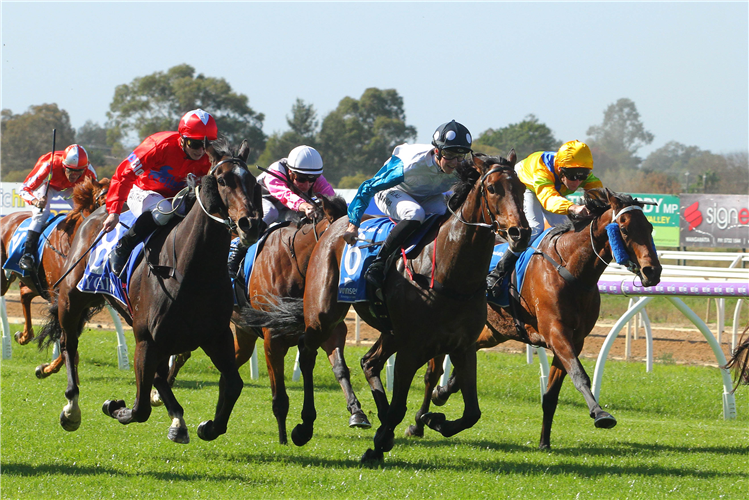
[[604, 421], [179, 435], [436, 399], [433, 420], [371, 456], [414, 431], [359, 419], [300, 435], [156, 398], [207, 431], [40, 373], [110, 406], [67, 424], [544, 446], [18, 336]]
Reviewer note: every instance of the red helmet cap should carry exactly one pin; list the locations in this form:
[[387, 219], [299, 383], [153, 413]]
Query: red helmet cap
[[198, 124], [75, 157]]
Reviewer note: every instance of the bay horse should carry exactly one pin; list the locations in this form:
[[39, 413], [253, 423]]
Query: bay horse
[[179, 295], [280, 270], [425, 319], [559, 302], [88, 195], [739, 361]]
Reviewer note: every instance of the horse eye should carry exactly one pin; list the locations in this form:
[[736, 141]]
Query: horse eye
[[221, 181], [490, 189], [623, 230]]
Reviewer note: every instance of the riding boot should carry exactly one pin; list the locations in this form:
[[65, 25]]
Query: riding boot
[[499, 274], [376, 272], [143, 226], [237, 251], [27, 262]]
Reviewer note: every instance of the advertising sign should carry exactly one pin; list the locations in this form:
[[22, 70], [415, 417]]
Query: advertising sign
[[715, 220], [664, 217], [11, 201]]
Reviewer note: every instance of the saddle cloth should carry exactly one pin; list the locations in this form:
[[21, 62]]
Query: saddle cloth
[[352, 287], [18, 243], [521, 265], [98, 276]]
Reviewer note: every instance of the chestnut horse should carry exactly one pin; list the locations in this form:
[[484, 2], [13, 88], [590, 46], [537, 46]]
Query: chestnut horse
[[280, 269], [179, 295], [427, 320], [88, 195], [559, 302], [739, 361]]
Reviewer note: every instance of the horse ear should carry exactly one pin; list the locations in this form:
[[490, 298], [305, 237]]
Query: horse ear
[[244, 150], [512, 157]]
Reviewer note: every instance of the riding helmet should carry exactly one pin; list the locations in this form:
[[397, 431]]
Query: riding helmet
[[198, 124], [305, 160], [452, 136], [75, 157]]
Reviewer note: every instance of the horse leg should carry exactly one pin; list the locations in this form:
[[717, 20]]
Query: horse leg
[[244, 345], [221, 352], [69, 317], [550, 400], [406, 365], [302, 433], [178, 429], [46, 369], [27, 335], [432, 375], [144, 364], [372, 364], [275, 352], [179, 361], [465, 362], [334, 348]]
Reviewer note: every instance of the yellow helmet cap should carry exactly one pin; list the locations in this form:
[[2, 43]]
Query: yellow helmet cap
[[574, 154]]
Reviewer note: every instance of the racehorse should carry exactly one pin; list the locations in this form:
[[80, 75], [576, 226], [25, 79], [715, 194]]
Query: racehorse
[[88, 195], [559, 302], [739, 361], [279, 270], [441, 310], [179, 295]]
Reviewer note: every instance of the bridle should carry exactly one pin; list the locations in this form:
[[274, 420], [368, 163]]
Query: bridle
[[494, 226], [632, 266], [228, 222]]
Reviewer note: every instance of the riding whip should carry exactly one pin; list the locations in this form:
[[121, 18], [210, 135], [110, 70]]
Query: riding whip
[[101, 235], [51, 165]]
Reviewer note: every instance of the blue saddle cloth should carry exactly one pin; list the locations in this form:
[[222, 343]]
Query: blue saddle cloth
[[521, 265], [98, 276], [352, 287], [18, 243]]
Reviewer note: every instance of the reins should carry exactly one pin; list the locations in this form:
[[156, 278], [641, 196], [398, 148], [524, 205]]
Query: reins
[[459, 215], [613, 219]]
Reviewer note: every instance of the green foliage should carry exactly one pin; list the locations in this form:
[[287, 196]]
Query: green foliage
[[671, 440], [617, 139], [303, 128], [27, 136], [156, 102], [359, 135], [526, 137], [352, 181]]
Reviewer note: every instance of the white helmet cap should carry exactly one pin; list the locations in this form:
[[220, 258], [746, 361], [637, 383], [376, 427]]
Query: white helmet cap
[[305, 160]]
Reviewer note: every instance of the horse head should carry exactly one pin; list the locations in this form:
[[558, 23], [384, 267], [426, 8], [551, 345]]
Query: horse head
[[233, 191], [635, 230], [502, 199], [331, 208]]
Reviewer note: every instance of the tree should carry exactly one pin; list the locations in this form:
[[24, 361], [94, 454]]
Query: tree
[[105, 158], [359, 135], [156, 102], [28, 136], [303, 124], [673, 158], [619, 136], [526, 137]]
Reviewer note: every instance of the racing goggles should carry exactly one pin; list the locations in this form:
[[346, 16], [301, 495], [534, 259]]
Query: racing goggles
[[448, 156], [575, 174], [301, 179], [196, 143]]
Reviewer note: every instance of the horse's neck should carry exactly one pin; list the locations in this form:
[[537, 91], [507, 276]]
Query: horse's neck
[[200, 239], [585, 257]]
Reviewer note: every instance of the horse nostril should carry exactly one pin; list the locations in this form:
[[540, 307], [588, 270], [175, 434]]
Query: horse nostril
[[244, 224]]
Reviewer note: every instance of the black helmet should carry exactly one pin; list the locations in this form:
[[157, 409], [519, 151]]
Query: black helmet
[[452, 136]]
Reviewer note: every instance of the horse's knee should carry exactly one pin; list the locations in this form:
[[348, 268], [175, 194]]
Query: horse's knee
[[471, 419]]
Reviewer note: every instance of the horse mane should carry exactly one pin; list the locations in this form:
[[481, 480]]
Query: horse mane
[[221, 148], [597, 202], [84, 197]]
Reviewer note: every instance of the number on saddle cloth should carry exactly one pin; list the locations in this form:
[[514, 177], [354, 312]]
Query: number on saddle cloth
[[18, 242]]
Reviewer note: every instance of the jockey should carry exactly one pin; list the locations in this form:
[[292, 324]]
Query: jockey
[[53, 174], [549, 177], [287, 185], [409, 186], [155, 170]]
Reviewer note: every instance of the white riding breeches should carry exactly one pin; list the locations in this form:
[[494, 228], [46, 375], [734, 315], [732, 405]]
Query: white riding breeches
[[140, 200], [535, 213], [399, 205]]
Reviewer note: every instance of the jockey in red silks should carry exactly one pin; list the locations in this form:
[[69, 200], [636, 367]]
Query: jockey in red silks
[[283, 184], [154, 171], [53, 174]]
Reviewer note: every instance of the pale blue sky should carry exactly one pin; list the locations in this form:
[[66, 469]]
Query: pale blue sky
[[485, 64]]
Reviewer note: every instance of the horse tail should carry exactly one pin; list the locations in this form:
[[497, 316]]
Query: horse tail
[[739, 362], [284, 315], [52, 330]]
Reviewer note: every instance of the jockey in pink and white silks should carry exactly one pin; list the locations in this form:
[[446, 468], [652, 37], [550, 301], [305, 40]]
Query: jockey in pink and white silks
[[408, 187]]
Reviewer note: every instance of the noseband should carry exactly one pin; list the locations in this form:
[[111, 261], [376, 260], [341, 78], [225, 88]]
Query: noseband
[[228, 222], [632, 266]]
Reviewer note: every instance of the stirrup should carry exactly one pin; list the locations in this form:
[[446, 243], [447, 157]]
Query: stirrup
[[27, 262], [375, 274], [117, 262]]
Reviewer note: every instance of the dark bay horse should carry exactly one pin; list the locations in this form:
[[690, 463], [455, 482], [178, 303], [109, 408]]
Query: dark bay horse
[[180, 296], [557, 310], [280, 270], [88, 195], [441, 310], [739, 362]]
